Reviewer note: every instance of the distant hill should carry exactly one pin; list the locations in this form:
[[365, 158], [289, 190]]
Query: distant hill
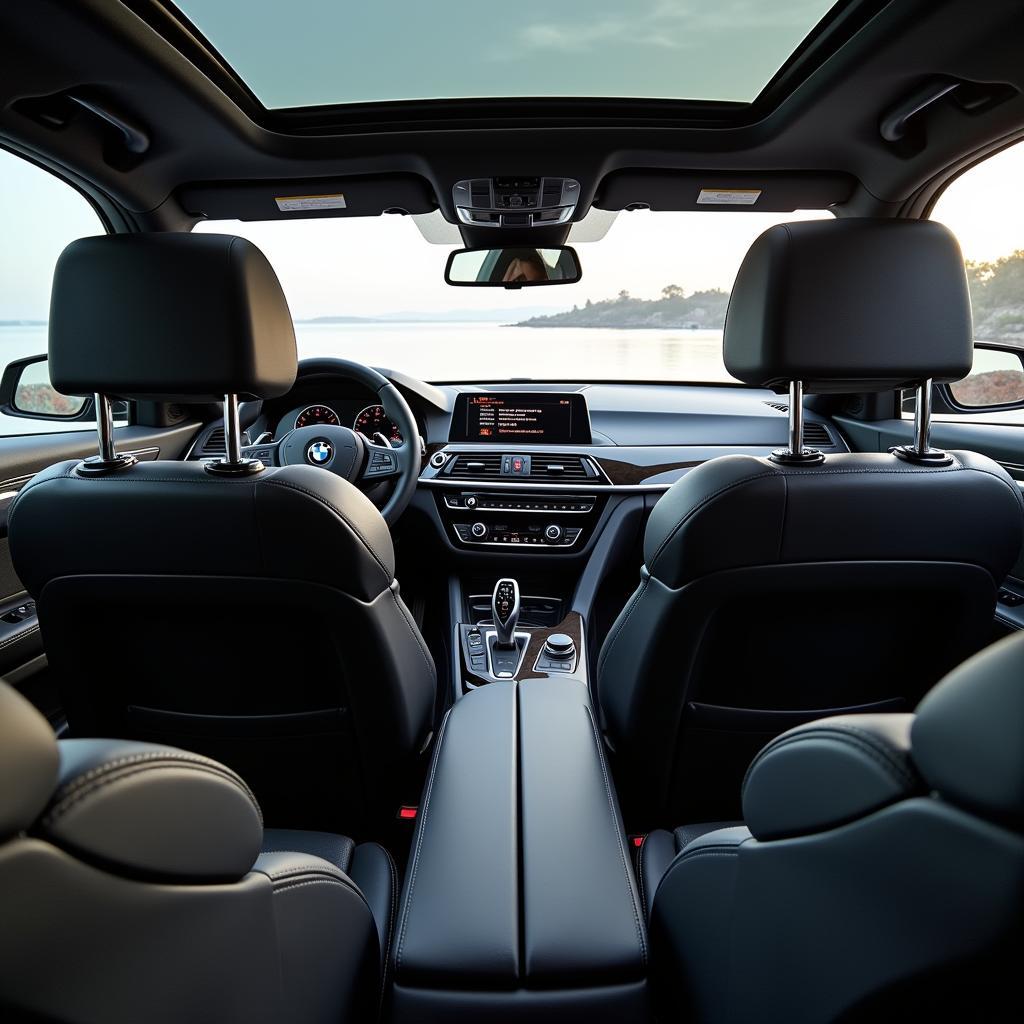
[[674, 309], [997, 298]]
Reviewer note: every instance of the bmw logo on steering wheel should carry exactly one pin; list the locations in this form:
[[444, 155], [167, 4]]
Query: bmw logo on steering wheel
[[319, 453]]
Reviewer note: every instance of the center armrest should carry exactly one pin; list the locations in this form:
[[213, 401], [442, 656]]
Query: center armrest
[[520, 899]]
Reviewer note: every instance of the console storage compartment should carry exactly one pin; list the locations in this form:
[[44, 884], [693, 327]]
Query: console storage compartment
[[520, 901]]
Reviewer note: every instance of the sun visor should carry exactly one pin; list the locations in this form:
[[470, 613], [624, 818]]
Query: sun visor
[[769, 192], [299, 199]]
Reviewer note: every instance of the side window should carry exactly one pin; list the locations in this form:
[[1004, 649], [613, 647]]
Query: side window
[[984, 208], [39, 215]]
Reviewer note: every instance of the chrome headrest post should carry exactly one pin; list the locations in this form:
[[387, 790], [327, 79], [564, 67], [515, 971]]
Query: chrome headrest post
[[233, 464], [108, 461], [796, 452], [920, 451]]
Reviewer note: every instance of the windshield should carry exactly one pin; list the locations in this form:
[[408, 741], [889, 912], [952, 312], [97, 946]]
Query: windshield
[[650, 305]]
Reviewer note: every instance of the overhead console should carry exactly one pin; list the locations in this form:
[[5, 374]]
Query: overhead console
[[516, 201]]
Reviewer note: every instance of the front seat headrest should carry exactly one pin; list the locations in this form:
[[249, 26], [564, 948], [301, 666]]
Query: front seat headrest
[[172, 316], [850, 305], [828, 772], [152, 811], [968, 736], [28, 762]]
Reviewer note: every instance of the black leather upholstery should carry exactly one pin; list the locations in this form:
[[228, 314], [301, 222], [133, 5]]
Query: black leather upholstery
[[967, 735], [850, 305], [757, 574], [825, 773], [171, 315], [140, 888], [761, 580], [28, 757], [519, 898], [254, 619], [907, 910], [159, 813]]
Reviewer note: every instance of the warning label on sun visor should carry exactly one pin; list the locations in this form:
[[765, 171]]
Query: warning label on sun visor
[[728, 196], [295, 204]]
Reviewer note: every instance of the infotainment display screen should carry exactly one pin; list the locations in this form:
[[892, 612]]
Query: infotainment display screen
[[511, 418]]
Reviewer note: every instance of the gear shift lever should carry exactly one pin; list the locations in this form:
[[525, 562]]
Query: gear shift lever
[[505, 612]]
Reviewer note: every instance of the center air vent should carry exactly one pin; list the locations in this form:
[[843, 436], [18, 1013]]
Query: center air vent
[[475, 467], [559, 467]]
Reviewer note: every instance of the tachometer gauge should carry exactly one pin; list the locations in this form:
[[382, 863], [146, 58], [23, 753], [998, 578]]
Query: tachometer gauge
[[316, 414], [374, 420]]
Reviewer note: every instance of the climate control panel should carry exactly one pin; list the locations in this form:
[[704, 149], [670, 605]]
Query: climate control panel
[[555, 523]]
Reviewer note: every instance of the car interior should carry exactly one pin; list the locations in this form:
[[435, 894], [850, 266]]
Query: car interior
[[373, 650]]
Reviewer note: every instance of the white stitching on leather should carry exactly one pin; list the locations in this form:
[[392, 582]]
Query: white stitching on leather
[[19, 636], [638, 914], [863, 741], [415, 633], [421, 831], [69, 795], [288, 485]]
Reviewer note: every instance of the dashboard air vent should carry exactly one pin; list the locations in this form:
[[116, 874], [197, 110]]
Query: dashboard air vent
[[817, 434], [213, 445], [559, 467], [475, 467], [777, 406]]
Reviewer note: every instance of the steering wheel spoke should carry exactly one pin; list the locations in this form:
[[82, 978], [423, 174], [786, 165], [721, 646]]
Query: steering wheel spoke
[[381, 463]]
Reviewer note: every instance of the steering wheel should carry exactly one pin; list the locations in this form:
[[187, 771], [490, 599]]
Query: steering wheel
[[347, 453]]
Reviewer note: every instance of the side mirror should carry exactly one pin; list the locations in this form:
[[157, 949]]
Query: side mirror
[[25, 390], [996, 380], [513, 267]]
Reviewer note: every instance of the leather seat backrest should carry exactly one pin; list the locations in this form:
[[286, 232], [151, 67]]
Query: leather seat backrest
[[775, 593], [133, 888], [881, 873], [254, 618]]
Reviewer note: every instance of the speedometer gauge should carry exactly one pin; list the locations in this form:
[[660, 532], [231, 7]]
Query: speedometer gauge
[[314, 415], [374, 420]]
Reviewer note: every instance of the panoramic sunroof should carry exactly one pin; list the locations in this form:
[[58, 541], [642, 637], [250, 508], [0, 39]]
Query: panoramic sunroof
[[315, 52]]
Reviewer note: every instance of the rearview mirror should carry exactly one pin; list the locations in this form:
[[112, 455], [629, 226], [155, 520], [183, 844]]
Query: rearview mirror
[[513, 267]]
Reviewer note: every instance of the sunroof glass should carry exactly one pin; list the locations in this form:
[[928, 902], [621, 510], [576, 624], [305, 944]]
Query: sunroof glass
[[317, 52]]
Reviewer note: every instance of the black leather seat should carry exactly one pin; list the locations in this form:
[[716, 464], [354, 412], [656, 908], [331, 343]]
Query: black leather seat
[[880, 874], [253, 618], [137, 883], [775, 592]]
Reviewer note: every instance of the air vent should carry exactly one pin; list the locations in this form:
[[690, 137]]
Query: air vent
[[777, 406], [817, 434], [552, 193], [480, 193], [559, 467], [214, 444], [475, 467]]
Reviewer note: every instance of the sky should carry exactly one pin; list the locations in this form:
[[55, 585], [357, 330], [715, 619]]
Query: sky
[[307, 52], [378, 265]]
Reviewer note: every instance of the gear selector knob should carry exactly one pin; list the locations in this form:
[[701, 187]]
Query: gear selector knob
[[505, 611]]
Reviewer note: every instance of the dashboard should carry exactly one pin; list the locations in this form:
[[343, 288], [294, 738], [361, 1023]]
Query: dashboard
[[541, 467]]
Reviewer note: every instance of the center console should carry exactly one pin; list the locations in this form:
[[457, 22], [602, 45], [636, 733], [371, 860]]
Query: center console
[[510, 477], [520, 902]]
